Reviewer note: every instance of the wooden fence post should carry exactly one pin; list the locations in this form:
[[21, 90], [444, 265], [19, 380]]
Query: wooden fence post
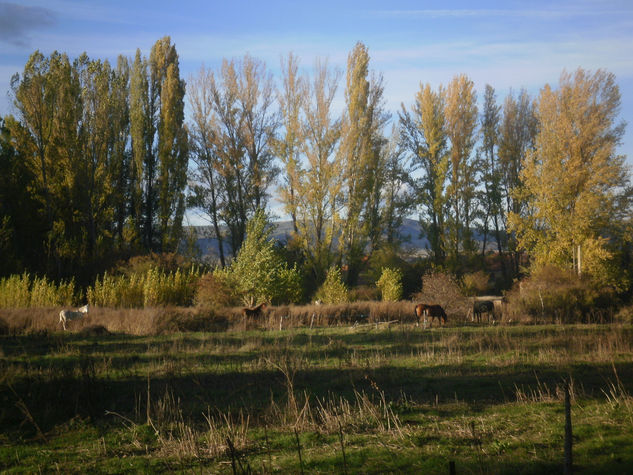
[[568, 470]]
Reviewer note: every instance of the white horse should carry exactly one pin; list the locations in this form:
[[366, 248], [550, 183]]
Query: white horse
[[67, 315]]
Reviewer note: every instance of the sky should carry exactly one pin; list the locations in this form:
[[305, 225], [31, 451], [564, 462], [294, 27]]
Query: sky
[[507, 44]]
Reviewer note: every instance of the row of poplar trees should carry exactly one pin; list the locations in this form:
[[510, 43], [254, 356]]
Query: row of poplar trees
[[98, 159], [537, 177]]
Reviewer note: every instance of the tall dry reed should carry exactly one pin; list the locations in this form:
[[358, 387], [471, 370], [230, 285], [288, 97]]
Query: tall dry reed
[[151, 288], [26, 291]]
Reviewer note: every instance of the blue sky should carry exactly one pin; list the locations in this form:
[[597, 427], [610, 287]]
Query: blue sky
[[507, 44]]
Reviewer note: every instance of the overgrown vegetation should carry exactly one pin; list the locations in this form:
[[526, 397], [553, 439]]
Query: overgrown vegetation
[[553, 295]]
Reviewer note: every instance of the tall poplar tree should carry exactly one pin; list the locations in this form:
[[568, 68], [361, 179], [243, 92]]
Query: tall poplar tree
[[574, 179], [492, 197], [424, 136], [143, 170], [319, 187], [360, 154], [167, 99], [397, 197], [48, 102], [121, 158], [461, 123], [207, 185], [159, 146], [260, 120], [517, 132], [291, 98], [97, 139]]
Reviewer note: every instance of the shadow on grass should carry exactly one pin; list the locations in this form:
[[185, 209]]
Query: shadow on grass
[[54, 399]]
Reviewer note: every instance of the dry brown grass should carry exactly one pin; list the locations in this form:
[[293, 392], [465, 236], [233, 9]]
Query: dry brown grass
[[163, 320], [290, 316], [160, 320], [147, 321]]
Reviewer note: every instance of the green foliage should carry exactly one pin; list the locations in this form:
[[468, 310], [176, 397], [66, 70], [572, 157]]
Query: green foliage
[[333, 290], [24, 291], [259, 273], [390, 284], [152, 288]]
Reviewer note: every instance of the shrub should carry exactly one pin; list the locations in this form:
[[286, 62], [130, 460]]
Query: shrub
[[333, 290], [390, 284], [553, 294], [364, 293], [214, 291], [166, 262], [442, 288], [259, 272]]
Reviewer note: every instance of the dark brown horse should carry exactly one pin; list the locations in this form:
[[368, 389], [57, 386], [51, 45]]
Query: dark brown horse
[[483, 306], [254, 311], [433, 311]]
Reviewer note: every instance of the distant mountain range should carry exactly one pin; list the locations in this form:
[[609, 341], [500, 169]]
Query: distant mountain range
[[414, 245]]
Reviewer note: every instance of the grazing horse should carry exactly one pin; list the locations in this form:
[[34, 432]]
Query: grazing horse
[[254, 311], [433, 311], [419, 310], [67, 315], [436, 311], [481, 307]]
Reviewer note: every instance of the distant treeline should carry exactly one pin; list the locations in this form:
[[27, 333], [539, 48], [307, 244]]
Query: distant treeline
[[99, 164]]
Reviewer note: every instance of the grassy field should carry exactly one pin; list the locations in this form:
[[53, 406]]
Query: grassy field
[[353, 399]]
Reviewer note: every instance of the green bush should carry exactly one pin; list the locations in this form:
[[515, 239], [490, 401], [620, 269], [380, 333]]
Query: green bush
[[333, 290], [390, 284], [259, 273]]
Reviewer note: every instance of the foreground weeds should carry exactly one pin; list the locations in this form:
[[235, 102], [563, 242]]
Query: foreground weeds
[[363, 399]]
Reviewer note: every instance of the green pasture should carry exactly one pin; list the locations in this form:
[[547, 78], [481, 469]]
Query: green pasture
[[363, 399]]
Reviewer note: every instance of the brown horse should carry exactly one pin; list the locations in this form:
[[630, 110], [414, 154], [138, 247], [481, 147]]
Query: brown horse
[[419, 310], [433, 311], [254, 311]]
